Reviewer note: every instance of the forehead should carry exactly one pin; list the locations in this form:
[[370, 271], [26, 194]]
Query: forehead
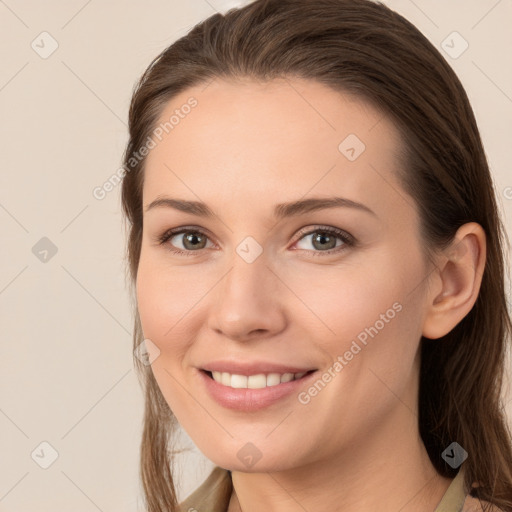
[[275, 140]]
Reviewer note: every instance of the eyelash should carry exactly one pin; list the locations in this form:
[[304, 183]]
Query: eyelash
[[348, 240]]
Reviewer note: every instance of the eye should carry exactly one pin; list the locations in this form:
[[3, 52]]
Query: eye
[[190, 240], [326, 240]]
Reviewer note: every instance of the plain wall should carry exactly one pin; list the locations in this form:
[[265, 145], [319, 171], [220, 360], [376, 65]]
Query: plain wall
[[66, 375]]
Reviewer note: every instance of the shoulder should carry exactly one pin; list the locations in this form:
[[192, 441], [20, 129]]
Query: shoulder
[[458, 497], [213, 494], [472, 504]]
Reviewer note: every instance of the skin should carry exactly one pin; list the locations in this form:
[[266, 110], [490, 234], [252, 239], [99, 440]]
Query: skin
[[246, 147]]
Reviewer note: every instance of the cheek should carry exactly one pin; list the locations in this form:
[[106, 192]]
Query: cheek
[[370, 327], [342, 302], [165, 297], [161, 306], [363, 305], [151, 302]]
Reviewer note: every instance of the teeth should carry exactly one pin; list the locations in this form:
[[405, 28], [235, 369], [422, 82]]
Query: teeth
[[239, 381], [273, 379], [225, 379], [258, 381]]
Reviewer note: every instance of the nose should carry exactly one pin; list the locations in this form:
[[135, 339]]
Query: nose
[[249, 301]]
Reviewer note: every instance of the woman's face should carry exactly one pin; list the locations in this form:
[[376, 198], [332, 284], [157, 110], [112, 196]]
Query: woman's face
[[262, 290]]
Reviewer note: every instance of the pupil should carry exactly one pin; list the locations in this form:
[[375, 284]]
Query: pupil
[[323, 238], [191, 238]]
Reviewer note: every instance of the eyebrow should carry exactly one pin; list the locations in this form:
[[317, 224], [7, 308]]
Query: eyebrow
[[281, 210]]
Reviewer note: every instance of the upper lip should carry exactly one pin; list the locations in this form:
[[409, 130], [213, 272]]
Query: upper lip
[[252, 368]]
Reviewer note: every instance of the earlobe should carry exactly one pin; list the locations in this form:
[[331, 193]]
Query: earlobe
[[459, 269]]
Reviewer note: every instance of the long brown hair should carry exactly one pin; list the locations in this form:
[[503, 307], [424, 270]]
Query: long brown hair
[[364, 48]]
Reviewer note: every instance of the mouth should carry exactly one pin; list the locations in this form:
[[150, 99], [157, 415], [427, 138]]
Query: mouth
[[255, 381], [253, 389]]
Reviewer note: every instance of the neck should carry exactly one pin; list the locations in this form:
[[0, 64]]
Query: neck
[[387, 469]]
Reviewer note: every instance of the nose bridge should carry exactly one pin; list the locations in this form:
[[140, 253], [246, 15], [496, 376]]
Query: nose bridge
[[249, 277], [247, 297]]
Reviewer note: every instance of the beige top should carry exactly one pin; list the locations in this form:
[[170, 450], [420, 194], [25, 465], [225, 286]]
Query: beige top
[[215, 492]]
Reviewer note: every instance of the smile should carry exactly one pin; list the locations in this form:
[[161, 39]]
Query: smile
[[251, 393], [256, 381]]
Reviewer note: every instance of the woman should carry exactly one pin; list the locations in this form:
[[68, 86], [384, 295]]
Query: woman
[[316, 256]]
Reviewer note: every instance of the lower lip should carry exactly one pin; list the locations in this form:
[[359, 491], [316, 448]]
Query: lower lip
[[245, 399]]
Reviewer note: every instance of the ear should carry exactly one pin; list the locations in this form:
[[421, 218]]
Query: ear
[[456, 281]]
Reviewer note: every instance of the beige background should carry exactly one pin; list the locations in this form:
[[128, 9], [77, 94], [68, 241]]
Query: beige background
[[66, 373]]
